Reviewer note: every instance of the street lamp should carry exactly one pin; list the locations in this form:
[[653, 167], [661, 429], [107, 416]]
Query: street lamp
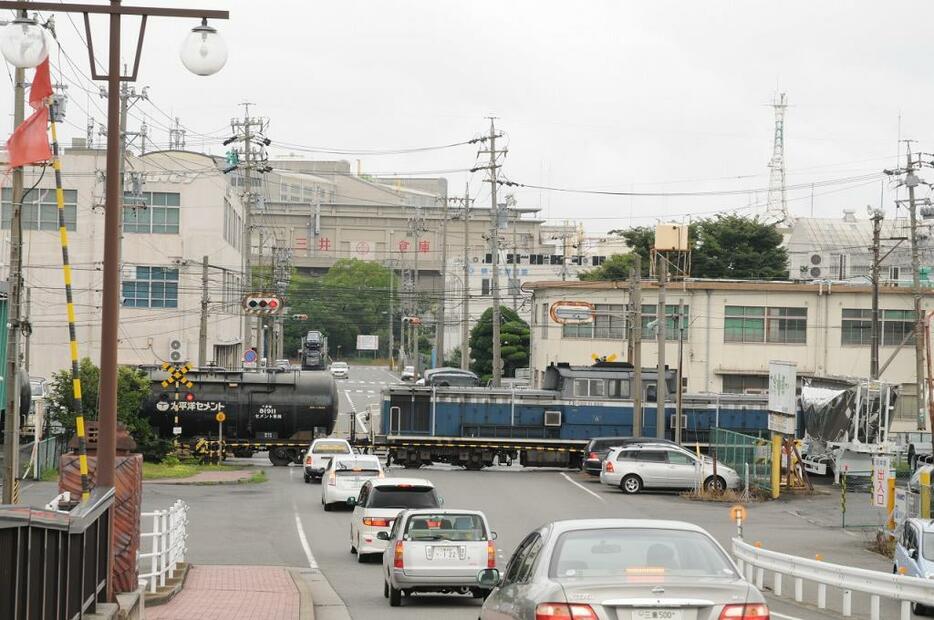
[[203, 50], [23, 43]]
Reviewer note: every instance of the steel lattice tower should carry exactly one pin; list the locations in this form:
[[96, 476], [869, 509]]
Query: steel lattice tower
[[777, 208]]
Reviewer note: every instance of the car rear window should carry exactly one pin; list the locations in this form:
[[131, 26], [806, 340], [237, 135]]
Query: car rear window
[[605, 444], [637, 554], [330, 447], [403, 497], [445, 527]]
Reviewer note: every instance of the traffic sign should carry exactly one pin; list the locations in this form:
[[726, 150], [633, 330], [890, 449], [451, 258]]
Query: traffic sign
[[177, 375], [220, 417], [262, 304], [250, 356]]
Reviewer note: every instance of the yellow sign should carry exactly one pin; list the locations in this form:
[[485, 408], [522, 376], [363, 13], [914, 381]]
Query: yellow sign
[[177, 376], [220, 417], [738, 512]]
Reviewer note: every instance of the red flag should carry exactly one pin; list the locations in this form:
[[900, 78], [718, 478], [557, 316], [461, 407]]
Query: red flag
[[41, 85], [29, 144]]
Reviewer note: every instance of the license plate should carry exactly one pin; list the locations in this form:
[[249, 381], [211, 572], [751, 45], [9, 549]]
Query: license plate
[[446, 553], [657, 614]]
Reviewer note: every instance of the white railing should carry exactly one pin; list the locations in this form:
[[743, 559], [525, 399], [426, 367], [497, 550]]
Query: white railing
[[754, 562], [168, 543]]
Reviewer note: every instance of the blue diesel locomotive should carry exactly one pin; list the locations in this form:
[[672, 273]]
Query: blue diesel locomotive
[[475, 427]]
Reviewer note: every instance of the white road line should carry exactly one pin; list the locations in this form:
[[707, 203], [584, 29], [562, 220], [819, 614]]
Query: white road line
[[582, 487], [301, 536], [782, 616]]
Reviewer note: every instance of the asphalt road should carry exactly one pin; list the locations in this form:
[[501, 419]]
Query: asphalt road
[[281, 522]]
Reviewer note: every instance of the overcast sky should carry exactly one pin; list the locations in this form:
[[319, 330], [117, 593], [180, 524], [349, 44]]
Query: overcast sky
[[650, 96]]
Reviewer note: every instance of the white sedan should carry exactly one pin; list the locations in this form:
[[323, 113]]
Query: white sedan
[[345, 476], [340, 370]]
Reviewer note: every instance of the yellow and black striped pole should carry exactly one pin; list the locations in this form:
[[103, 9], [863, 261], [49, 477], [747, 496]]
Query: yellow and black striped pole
[[69, 299]]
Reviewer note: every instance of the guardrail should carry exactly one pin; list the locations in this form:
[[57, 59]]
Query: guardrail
[[169, 536], [754, 562], [54, 563]]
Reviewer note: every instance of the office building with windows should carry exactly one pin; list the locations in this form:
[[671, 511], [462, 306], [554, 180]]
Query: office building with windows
[[731, 330], [178, 208]]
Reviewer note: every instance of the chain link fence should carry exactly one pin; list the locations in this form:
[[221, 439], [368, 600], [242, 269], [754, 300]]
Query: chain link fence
[[749, 455]]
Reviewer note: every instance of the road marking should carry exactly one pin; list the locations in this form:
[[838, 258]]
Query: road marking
[[783, 616], [301, 536], [582, 487]]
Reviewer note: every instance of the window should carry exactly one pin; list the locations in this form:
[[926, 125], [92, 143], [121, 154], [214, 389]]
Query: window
[[897, 326], [679, 458], [617, 388], [650, 312], [740, 384], [485, 287], [528, 562], [589, 387], [545, 319], [233, 225], [609, 321], [159, 213], [518, 558], [787, 325], [40, 209], [856, 326], [651, 456], [154, 287], [895, 272], [744, 324]]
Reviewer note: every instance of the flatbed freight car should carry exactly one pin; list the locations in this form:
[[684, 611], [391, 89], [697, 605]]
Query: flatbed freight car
[[274, 410], [477, 427]]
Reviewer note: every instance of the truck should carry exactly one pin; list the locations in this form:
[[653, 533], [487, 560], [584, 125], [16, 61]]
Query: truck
[[314, 351]]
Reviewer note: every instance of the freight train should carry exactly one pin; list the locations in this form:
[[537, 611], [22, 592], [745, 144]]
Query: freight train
[[477, 427], [274, 410], [314, 351]]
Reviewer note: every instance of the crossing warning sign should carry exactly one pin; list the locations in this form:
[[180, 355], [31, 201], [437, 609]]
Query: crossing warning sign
[[178, 375]]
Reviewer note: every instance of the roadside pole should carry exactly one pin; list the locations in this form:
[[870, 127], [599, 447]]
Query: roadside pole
[[661, 383], [635, 336], [679, 391]]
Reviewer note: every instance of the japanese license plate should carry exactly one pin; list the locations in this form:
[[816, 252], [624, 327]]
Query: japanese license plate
[[657, 614], [452, 552]]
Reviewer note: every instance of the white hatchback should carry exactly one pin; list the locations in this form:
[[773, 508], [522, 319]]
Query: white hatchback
[[344, 477], [379, 503], [660, 466], [437, 551]]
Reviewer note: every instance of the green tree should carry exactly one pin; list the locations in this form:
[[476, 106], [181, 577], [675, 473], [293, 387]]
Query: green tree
[[133, 387], [616, 267], [514, 344]]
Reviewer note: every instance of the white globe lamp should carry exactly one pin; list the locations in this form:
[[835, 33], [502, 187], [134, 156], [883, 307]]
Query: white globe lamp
[[203, 50], [23, 43]]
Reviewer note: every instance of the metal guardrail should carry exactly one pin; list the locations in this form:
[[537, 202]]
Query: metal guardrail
[[55, 564], [754, 562], [169, 536]]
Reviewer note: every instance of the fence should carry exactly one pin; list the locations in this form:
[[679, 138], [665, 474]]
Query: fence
[[754, 562], [740, 451], [169, 538]]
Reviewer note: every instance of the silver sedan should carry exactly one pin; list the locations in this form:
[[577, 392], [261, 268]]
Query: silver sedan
[[598, 569]]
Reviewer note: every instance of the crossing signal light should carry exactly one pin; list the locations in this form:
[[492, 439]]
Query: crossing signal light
[[262, 304], [189, 396]]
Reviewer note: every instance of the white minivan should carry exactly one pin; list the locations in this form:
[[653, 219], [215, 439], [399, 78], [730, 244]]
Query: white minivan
[[320, 452], [379, 503]]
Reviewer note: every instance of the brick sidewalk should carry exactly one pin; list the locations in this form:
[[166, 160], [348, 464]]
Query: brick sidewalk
[[208, 477], [233, 593]]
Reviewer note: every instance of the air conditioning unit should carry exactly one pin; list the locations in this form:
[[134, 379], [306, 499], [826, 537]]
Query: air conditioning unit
[[552, 418], [177, 353], [816, 266], [672, 420]]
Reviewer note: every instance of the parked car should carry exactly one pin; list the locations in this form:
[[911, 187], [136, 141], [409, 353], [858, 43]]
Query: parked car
[[659, 466], [379, 503], [447, 376], [320, 452], [914, 552], [408, 373], [344, 477], [340, 370], [436, 551], [594, 569], [599, 447]]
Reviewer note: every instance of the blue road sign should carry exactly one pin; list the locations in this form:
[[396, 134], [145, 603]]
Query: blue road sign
[[249, 356]]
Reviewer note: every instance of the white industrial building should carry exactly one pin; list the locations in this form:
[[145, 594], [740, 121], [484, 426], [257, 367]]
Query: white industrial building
[[178, 209]]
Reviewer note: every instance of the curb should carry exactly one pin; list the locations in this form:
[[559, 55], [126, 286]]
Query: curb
[[173, 586], [318, 600], [188, 482]]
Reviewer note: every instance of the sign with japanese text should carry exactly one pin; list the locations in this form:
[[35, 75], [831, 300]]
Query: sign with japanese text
[[367, 343], [783, 379], [880, 481], [210, 406], [564, 312]]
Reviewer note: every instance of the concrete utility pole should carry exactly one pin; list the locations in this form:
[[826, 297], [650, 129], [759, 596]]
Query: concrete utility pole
[[465, 324], [15, 279], [391, 344], [439, 325], [203, 333], [514, 285], [661, 385], [912, 181], [492, 168], [679, 391], [877, 216], [635, 337]]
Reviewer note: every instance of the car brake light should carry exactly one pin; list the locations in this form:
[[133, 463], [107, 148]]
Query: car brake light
[[375, 522], [593, 456], [608, 466], [397, 561], [308, 460], [332, 479], [558, 611], [490, 554], [751, 611]]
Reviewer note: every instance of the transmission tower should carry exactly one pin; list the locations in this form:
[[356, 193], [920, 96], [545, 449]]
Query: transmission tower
[[777, 208]]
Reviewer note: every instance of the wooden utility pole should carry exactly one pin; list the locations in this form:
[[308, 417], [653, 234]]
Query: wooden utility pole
[[661, 384], [635, 338], [203, 333]]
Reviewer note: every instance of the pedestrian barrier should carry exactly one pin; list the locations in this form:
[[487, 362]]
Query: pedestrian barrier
[[169, 536], [754, 562]]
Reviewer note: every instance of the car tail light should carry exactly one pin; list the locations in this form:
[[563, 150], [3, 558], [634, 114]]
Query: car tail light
[[375, 522], [608, 466], [558, 611], [490, 554], [749, 611], [332, 479], [397, 556], [593, 457], [308, 460]]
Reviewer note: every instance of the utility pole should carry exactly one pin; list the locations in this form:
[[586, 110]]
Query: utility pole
[[439, 325], [661, 384], [203, 333], [465, 326], [679, 391], [492, 168], [15, 279], [877, 216], [912, 181], [26, 352], [391, 343], [635, 337], [514, 285]]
